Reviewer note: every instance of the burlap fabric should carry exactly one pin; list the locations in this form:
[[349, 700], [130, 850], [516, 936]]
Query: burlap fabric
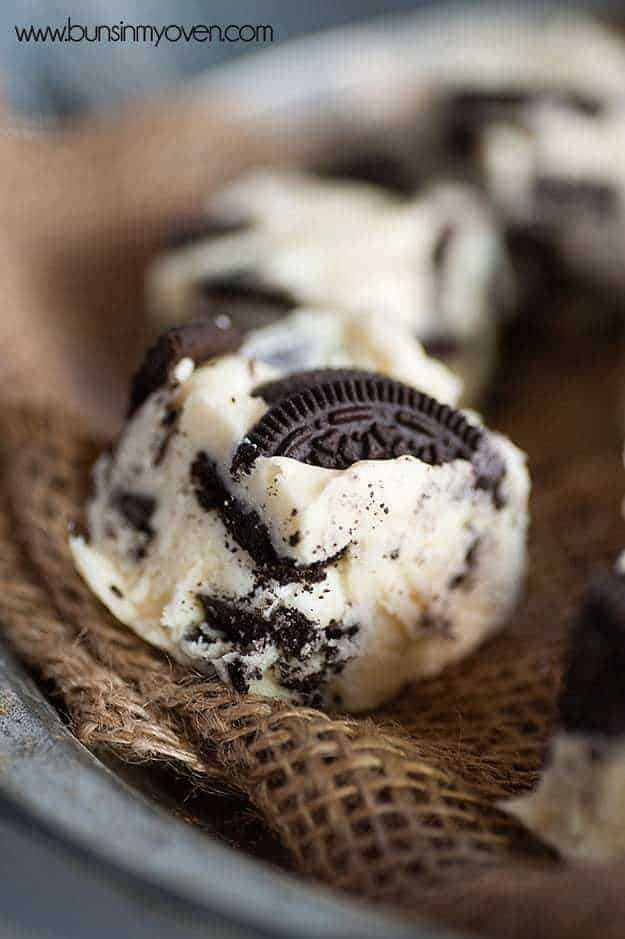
[[400, 807]]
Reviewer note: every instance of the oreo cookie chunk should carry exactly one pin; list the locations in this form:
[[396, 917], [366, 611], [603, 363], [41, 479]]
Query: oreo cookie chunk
[[196, 341], [248, 304], [296, 343], [204, 228], [370, 163], [468, 112], [307, 536], [429, 262], [578, 804], [592, 700]]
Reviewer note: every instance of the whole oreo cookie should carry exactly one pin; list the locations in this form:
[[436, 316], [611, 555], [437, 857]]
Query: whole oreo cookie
[[335, 418], [199, 340]]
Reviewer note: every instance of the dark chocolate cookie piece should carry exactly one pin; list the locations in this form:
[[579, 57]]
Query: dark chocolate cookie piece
[[579, 101], [136, 509], [240, 296], [247, 529], [592, 700], [289, 629], [441, 345], [366, 164], [241, 674], [205, 228], [489, 472], [559, 193], [200, 340], [442, 245], [297, 638], [468, 111], [357, 415], [440, 261]]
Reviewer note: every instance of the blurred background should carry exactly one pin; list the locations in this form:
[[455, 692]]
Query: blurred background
[[48, 79]]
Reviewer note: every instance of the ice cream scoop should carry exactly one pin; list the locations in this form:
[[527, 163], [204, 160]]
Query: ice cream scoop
[[433, 262], [323, 536]]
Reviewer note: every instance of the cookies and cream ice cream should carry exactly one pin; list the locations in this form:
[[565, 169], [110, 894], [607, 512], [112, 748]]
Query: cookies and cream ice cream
[[324, 537], [557, 169], [578, 804], [271, 242], [414, 102]]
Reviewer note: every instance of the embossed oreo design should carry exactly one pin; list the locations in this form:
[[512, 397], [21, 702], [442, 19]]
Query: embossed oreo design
[[199, 340], [592, 700], [354, 415]]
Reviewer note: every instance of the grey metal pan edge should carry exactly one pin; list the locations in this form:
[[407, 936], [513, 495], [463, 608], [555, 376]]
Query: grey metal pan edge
[[54, 782]]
